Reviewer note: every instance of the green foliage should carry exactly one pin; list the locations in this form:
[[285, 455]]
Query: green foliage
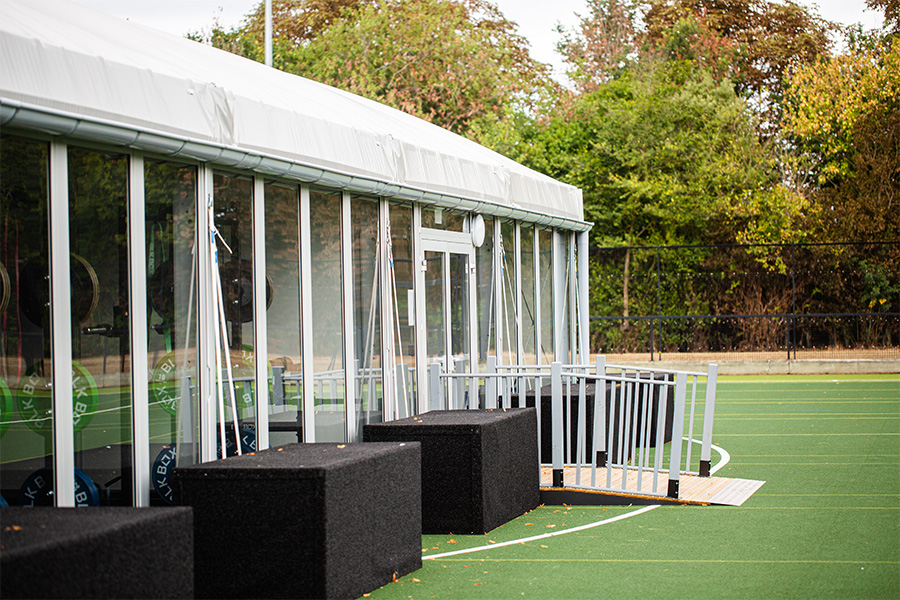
[[456, 63], [754, 43], [664, 154], [844, 113]]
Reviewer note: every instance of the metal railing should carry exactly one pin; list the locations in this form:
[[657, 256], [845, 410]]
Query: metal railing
[[614, 428]]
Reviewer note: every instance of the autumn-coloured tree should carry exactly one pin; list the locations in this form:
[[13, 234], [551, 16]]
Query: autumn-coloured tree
[[844, 113], [891, 9], [457, 63], [296, 21], [763, 41], [606, 40]]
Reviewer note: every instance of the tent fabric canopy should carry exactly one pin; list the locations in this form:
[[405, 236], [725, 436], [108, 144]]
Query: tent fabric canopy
[[61, 58]]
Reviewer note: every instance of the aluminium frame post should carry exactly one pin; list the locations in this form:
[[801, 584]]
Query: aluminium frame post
[[308, 395], [347, 305], [573, 301], [709, 409], [497, 293], [557, 422], [584, 312], [558, 285], [472, 342], [677, 430], [490, 383], [137, 272], [601, 455], [422, 369], [63, 426], [538, 293], [260, 324], [435, 396], [389, 389], [206, 318]]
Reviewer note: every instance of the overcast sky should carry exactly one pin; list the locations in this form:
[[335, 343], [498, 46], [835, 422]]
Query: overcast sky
[[536, 18]]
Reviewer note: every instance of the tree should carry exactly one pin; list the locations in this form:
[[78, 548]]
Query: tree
[[456, 63], [763, 41], [664, 154], [606, 41], [891, 9], [844, 113]]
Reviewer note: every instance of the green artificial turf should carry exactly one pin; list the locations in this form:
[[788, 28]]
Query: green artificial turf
[[825, 525]]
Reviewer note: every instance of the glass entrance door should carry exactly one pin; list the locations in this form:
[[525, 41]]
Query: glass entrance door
[[448, 299]]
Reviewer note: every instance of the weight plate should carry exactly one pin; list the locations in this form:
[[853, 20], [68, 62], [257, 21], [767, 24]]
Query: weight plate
[[35, 400], [162, 472], [248, 441], [164, 384], [37, 487]]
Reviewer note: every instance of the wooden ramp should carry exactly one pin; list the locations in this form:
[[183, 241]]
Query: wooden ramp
[[639, 486]]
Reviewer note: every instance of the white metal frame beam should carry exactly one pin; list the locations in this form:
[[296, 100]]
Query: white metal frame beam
[[137, 300], [349, 329], [584, 329], [61, 328], [260, 330], [308, 398], [205, 324]]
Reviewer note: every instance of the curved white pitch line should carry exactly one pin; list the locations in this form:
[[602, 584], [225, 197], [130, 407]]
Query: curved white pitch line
[[722, 452]]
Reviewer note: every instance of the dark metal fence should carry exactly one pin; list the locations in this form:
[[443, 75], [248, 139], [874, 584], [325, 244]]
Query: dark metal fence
[[822, 300]]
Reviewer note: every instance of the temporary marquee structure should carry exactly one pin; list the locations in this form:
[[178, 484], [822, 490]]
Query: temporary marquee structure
[[69, 70]]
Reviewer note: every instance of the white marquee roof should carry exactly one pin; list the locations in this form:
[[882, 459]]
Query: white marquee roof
[[65, 69]]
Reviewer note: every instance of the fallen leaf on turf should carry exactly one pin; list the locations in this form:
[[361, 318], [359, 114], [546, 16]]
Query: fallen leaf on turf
[[529, 524], [543, 546], [551, 525], [451, 541], [416, 580], [477, 584]]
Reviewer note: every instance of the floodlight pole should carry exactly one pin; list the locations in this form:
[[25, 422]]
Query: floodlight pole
[[268, 33]]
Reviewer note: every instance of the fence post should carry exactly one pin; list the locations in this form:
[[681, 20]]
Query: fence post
[[490, 383], [581, 433], [677, 431], [435, 389], [600, 451], [459, 366], [401, 409], [708, 412], [557, 421], [278, 388]]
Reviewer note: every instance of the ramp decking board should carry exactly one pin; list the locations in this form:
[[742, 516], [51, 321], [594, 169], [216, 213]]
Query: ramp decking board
[[692, 489]]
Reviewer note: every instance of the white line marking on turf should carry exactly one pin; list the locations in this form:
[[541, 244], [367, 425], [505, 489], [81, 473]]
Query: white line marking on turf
[[722, 452], [546, 535]]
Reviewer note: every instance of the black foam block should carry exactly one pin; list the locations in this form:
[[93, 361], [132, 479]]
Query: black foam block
[[106, 552], [479, 467], [305, 520]]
